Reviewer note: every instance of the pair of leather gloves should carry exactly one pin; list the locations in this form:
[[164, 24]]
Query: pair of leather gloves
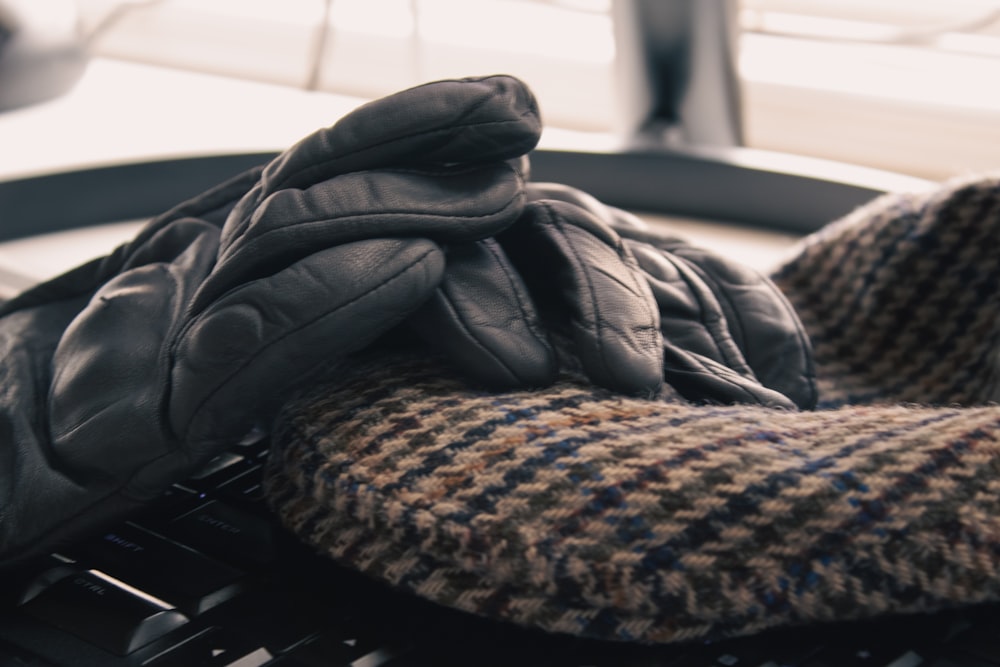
[[126, 374]]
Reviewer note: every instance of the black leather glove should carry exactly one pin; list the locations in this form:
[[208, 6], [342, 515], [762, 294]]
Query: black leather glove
[[128, 373], [640, 308], [557, 270], [729, 334]]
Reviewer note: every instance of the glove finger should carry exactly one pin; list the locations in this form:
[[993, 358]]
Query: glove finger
[[757, 332], [447, 205], [702, 358], [721, 322], [702, 379], [582, 275], [482, 318], [445, 122], [246, 351], [763, 323]]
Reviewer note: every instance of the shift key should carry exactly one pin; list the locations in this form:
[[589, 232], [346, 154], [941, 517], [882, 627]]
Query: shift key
[[189, 580], [226, 532]]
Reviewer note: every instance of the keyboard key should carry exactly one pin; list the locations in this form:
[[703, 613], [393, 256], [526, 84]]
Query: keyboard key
[[214, 647], [340, 646], [774, 649], [379, 659], [219, 463], [56, 568], [176, 501], [226, 532], [274, 616], [982, 641], [185, 578], [12, 580], [254, 442], [871, 654], [218, 471], [955, 661], [246, 489], [97, 609], [258, 658], [15, 656]]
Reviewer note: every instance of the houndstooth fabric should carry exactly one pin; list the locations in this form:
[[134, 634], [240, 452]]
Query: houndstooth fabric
[[901, 298], [574, 510]]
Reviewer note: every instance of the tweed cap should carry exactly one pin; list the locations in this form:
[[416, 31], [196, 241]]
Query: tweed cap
[[574, 510]]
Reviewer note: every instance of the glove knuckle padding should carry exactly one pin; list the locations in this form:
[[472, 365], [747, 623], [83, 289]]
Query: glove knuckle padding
[[272, 332], [482, 317], [615, 329]]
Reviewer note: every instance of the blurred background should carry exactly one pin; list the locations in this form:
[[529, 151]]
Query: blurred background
[[904, 85], [908, 86]]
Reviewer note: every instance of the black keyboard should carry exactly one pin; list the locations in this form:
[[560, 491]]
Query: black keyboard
[[207, 577]]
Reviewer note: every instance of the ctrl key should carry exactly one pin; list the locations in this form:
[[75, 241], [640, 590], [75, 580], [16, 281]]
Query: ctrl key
[[99, 609]]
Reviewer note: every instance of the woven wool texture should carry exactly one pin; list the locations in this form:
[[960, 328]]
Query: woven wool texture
[[574, 510]]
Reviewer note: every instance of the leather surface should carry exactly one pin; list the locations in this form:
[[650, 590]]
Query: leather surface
[[728, 334], [129, 372]]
